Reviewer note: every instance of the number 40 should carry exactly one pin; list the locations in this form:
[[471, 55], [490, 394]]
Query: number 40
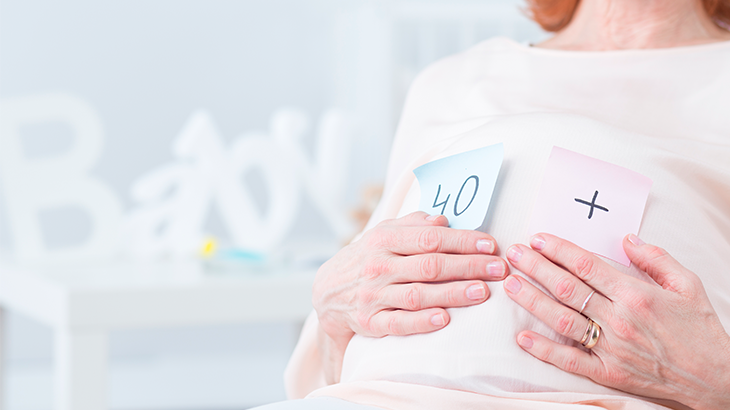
[[456, 202]]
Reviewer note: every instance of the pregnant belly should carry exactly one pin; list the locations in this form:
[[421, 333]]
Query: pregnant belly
[[477, 351]]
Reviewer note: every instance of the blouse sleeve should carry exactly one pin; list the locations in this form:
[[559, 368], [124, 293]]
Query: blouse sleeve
[[305, 373]]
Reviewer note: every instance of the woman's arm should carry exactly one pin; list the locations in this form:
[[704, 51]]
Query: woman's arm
[[661, 340]]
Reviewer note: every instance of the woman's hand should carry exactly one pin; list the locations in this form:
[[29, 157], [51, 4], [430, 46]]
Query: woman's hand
[[397, 280], [661, 340]]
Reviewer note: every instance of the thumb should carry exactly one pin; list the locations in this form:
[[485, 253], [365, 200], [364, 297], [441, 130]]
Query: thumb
[[420, 218], [656, 262]]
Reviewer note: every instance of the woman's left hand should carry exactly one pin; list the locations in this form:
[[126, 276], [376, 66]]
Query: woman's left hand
[[661, 340]]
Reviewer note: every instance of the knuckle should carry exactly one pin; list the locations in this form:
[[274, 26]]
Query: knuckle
[[623, 329], [585, 267], [412, 298], [384, 237], [565, 290], [475, 267], [375, 237], [548, 355], [415, 214], [571, 363], [365, 322], [694, 283], [429, 240], [394, 326], [375, 267], [454, 297], [532, 303], [614, 378], [565, 324], [656, 252], [655, 255], [638, 302], [464, 240], [559, 248], [431, 267], [530, 264], [364, 297]]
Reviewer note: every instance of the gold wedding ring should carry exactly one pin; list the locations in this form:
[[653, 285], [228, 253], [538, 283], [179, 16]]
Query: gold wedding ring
[[586, 302], [593, 332]]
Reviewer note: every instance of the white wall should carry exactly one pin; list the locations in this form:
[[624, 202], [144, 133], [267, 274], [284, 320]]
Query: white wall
[[145, 66]]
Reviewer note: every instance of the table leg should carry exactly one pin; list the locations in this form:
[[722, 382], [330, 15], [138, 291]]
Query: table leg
[[81, 358], [3, 351]]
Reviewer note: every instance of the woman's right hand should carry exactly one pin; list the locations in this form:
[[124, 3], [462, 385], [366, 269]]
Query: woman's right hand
[[399, 278]]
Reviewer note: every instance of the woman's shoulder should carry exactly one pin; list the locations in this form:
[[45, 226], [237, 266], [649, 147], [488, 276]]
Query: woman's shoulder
[[463, 66], [443, 90]]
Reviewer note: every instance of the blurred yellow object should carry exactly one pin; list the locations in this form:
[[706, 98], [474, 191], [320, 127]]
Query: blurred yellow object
[[209, 247]]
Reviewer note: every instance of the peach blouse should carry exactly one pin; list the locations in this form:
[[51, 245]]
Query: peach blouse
[[661, 112]]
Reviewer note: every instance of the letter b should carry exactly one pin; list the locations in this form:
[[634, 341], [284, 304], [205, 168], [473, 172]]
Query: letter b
[[33, 185]]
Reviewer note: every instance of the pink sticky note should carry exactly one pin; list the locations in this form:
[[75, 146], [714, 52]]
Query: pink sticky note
[[590, 202]]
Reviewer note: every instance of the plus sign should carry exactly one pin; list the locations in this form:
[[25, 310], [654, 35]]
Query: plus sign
[[592, 204]]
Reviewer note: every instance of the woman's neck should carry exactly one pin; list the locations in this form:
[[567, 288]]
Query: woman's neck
[[600, 25]]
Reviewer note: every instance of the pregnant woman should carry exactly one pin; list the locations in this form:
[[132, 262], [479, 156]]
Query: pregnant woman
[[416, 315]]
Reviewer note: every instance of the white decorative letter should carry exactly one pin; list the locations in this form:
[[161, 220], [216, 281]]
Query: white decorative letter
[[37, 184]]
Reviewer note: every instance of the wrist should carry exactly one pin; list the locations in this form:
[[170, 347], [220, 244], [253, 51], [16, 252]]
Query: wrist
[[332, 351], [717, 399], [717, 392], [714, 403]]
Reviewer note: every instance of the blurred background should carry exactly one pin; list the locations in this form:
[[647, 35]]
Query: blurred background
[[161, 130]]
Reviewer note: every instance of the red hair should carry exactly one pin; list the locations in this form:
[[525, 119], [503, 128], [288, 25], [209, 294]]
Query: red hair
[[553, 15]]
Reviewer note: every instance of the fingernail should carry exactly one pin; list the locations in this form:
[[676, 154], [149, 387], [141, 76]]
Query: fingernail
[[525, 342], [475, 292], [512, 285], [495, 269], [432, 218], [636, 240], [537, 242], [437, 320], [514, 254], [485, 246]]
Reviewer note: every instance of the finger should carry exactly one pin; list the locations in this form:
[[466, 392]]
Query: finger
[[418, 218], [402, 322], [656, 262], [566, 288], [419, 296], [562, 319], [438, 267], [567, 358], [411, 240], [583, 264]]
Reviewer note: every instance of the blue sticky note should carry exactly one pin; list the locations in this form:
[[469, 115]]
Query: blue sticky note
[[460, 187]]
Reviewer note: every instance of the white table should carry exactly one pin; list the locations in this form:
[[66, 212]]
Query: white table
[[83, 304]]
